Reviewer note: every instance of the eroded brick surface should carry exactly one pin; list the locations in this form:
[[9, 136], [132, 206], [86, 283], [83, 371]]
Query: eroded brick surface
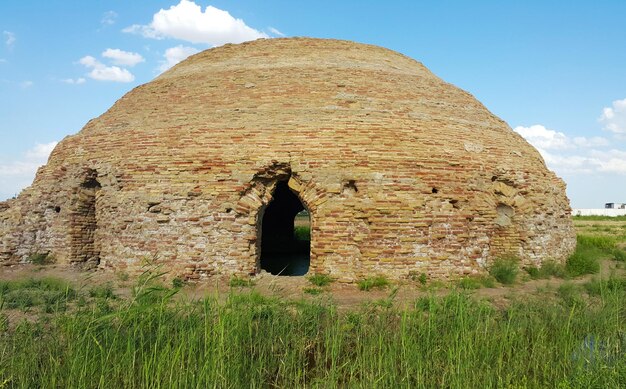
[[402, 172]]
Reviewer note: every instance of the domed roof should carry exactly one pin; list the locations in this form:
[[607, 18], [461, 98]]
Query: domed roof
[[399, 169], [311, 100]]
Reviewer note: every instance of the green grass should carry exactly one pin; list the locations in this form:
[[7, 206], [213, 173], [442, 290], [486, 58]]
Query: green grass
[[469, 283], [600, 242], [571, 336], [376, 282], [571, 294], [602, 246], [237, 282], [104, 291], [302, 233], [48, 293], [619, 255], [505, 270], [597, 287], [476, 282], [599, 218], [313, 291], [320, 279], [548, 269], [246, 340], [589, 251], [582, 262]]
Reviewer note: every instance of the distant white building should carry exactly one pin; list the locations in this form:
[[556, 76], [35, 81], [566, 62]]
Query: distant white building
[[610, 209]]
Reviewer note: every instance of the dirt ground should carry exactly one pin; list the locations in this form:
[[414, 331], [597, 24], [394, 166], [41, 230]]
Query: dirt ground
[[344, 295]]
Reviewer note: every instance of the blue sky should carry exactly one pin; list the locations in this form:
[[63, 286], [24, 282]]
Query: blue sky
[[555, 71]]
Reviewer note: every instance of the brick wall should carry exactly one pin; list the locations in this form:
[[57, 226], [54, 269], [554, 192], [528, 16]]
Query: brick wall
[[402, 173]]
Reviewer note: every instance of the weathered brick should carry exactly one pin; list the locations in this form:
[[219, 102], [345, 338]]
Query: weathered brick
[[402, 172]]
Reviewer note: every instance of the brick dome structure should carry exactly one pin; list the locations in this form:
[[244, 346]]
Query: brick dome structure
[[205, 166]]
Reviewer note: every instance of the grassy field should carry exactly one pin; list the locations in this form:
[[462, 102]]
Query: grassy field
[[570, 333]]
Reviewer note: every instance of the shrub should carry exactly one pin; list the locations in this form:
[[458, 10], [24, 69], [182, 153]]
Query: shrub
[[41, 259], [504, 270], [469, 283], [552, 268], [596, 287], [533, 272], [581, 263], [178, 283], [21, 299], [378, 282], [570, 294], [320, 279], [548, 269], [102, 291], [619, 255]]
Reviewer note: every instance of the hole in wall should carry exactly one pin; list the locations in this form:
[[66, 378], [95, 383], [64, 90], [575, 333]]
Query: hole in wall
[[434, 190], [57, 209], [350, 187], [285, 234]]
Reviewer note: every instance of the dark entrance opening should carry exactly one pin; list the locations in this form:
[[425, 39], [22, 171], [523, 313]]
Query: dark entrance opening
[[285, 240]]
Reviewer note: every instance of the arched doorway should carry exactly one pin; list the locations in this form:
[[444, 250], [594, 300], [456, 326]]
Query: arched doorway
[[285, 250]]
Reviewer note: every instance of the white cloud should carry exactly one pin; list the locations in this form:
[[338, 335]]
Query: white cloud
[[574, 155], [40, 152], [174, 55], [9, 39], [121, 57], [275, 31], [596, 141], [546, 139], [610, 161], [26, 84], [88, 61], [186, 21], [543, 138], [108, 18], [568, 163], [101, 72], [16, 175], [614, 117], [73, 81]]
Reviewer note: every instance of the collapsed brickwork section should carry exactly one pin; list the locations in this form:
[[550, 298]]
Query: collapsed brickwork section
[[401, 172], [84, 225]]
